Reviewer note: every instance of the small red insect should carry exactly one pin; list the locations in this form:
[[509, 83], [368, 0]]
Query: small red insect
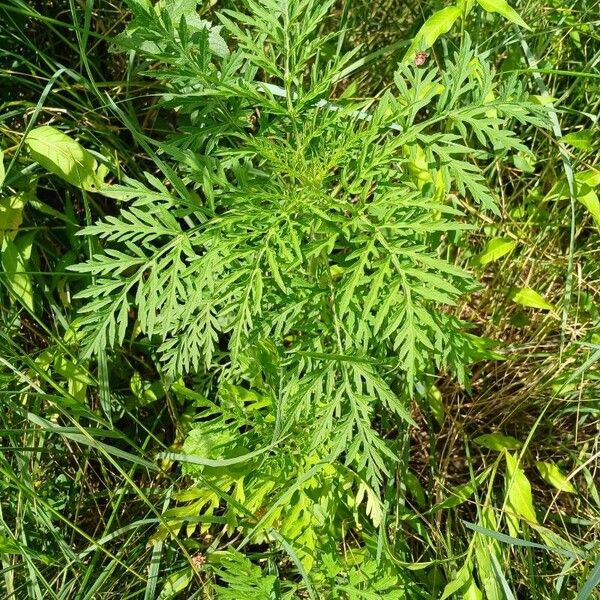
[[420, 58]]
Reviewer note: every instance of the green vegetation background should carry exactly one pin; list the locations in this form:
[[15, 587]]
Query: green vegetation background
[[145, 445]]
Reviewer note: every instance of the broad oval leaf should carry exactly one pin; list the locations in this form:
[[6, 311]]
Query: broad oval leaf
[[9, 546], [542, 99], [582, 139], [498, 442], [551, 474], [76, 375], [11, 215], [413, 485], [176, 583], [519, 500], [439, 23], [503, 8], [524, 162], [461, 579], [14, 259], [589, 199], [496, 248], [591, 177], [472, 592], [65, 157], [530, 298], [585, 182]]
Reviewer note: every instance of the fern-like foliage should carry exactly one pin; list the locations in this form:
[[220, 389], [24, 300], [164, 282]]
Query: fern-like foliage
[[312, 221], [242, 580]]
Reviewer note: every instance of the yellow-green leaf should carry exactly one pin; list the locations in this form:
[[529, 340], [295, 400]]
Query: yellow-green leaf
[[436, 404], [439, 23], [551, 474], [519, 500], [413, 485], [76, 375], [8, 546], [585, 179], [498, 442], [472, 592], [465, 5], [417, 164], [530, 298], [2, 170], [589, 199], [176, 583], [542, 100], [374, 508], [585, 182], [11, 215], [524, 162], [462, 578], [496, 248], [14, 264], [484, 549], [461, 493], [553, 540], [65, 157], [581, 139], [591, 177], [503, 8]]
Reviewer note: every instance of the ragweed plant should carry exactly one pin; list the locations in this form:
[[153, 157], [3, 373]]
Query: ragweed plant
[[290, 263], [317, 226]]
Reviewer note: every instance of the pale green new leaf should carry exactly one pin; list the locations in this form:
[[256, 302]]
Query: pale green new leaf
[[176, 583], [438, 24], [582, 139], [505, 9], [529, 297], [495, 249], [462, 578], [15, 265], [11, 215], [65, 157], [498, 442], [519, 501], [589, 199], [585, 184], [551, 473]]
